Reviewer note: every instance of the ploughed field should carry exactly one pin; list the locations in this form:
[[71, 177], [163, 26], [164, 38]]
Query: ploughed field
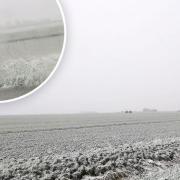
[[84, 146]]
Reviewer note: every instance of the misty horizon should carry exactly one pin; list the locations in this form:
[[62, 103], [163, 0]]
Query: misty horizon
[[127, 57], [15, 14]]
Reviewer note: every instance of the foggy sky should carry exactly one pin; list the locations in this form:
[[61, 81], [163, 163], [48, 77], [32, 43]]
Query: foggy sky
[[119, 55], [27, 10]]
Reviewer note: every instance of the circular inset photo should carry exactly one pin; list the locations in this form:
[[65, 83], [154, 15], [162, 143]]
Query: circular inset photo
[[32, 41]]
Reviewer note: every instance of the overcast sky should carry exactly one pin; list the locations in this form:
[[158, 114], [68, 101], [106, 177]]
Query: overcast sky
[[119, 55], [24, 10]]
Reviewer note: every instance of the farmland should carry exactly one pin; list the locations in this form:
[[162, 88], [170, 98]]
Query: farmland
[[46, 137]]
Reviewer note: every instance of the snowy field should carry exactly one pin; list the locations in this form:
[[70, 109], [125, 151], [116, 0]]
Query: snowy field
[[91, 146], [28, 56]]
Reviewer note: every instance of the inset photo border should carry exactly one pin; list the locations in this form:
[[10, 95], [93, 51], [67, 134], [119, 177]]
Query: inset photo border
[[31, 48]]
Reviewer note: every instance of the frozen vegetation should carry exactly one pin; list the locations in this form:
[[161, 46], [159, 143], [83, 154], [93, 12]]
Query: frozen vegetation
[[142, 160], [26, 73], [167, 173], [90, 146], [28, 56]]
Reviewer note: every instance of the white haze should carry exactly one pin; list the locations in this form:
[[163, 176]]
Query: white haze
[[119, 55], [17, 12]]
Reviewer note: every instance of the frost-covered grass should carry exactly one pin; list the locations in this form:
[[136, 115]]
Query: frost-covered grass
[[134, 161], [171, 173], [25, 72]]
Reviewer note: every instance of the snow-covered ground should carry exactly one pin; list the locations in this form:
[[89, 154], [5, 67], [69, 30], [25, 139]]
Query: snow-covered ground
[[153, 160], [31, 31], [91, 146], [26, 72], [28, 56]]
